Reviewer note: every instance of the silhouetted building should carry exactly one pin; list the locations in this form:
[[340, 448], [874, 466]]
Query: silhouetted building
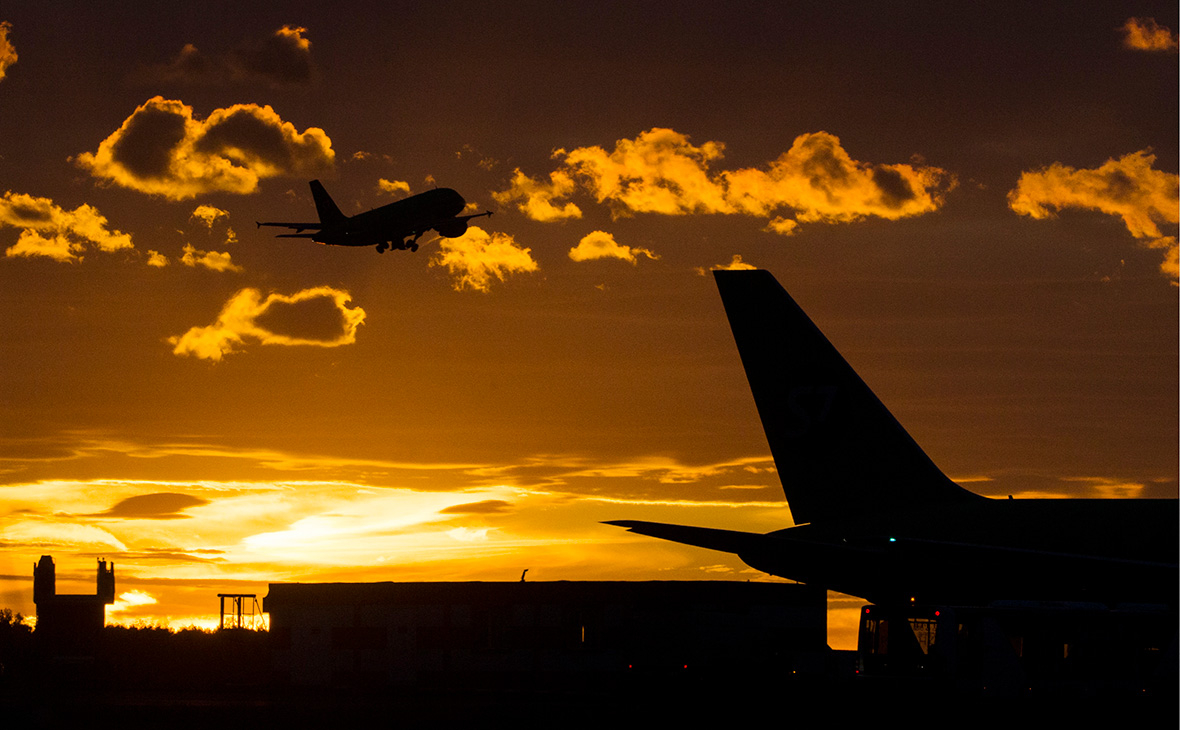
[[530, 634], [70, 623]]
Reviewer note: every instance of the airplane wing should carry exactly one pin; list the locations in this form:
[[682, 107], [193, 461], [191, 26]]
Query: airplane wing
[[297, 226]]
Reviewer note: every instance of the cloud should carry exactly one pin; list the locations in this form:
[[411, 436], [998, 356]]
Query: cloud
[[735, 264], [159, 506], [50, 230], [1144, 34], [131, 600], [1128, 187], [535, 199], [209, 215], [157, 259], [213, 260], [782, 226], [239, 320], [162, 149], [7, 52], [476, 257], [661, 171], [602, 245], [393, 187], [282, 58], [58, 536], [486, 507]]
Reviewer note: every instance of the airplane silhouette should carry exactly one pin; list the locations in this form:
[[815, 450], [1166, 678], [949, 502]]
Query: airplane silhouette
[[397, 225], [875, 518]]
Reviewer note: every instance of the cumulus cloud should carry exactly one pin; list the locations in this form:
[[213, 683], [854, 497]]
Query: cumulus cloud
[[535, 198], [282, 58], [1144, 34], [162, 149], [212, 260], [209, 215], [735, 264], [52, 231], [476, 257], [240, 320], [602, 245], [393, 187], [157, 259], [661, 171], [7, 52], [1129, 187]]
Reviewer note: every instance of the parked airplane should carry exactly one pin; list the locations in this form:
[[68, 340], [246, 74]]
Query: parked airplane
[[397, 225], [875, 518]]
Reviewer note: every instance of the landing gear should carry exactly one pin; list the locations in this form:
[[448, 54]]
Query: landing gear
[[381, 247], [413, 247]]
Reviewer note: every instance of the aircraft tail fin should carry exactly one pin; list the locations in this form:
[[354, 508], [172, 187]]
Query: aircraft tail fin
[[324, 205], [839, 452]]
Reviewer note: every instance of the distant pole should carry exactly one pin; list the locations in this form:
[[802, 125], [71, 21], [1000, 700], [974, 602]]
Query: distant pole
[[522, 575]]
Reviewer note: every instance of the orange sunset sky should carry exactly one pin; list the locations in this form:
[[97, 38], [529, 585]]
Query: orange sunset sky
[[977, 204]]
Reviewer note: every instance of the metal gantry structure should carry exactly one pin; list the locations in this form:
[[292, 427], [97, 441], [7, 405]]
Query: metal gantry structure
[[244, 612]]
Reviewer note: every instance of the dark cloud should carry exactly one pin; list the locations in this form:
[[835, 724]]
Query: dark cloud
[[159, 506], [148, 139], [311, 319], [895, 190], [282, 58], [256, 140]]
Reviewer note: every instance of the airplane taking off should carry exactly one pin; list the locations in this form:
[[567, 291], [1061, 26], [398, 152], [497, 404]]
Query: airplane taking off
[[876, 519], [397, 225]]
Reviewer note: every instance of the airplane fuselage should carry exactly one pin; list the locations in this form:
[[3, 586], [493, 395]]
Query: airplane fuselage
[[397, 225], [1078, 550], [397, 220]]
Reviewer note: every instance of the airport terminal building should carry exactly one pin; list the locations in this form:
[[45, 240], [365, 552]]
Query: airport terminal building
[[525, 634]]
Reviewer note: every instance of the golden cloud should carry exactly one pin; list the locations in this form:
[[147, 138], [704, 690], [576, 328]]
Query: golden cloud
[[1144, 34], [1128, 187], [476, 257], [50, 230], [657, 172], [661, 171], [209, 215], [157, 259], [602, 245], [7, 52], [735, 264], [535, 199], [162, 149], [239, 320], [213, 260], [393, 187], [821, 182]]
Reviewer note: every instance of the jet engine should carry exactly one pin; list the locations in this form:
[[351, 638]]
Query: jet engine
[[452, 229]]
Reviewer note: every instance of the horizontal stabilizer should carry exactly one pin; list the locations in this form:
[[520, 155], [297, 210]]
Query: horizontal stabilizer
[[296, 226], [730, 541]]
